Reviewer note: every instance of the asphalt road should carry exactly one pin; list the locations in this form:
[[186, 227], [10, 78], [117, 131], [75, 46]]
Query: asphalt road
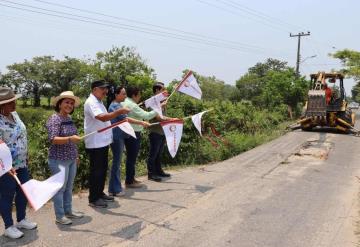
[[298, 190]]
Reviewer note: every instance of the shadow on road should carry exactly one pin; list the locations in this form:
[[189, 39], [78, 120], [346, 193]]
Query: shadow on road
[[29, 236]]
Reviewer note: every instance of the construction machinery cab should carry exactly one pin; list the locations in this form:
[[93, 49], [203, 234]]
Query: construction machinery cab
[[326, 105], [333, 86]]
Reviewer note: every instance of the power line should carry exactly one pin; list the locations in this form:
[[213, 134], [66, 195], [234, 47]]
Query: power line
[[80, 18], [259, 14], [248, 12], [238, 14], [130, 27], [249, 46], [105, 33], [143, 23]]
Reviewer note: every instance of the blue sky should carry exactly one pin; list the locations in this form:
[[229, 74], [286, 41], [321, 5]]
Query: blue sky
[[262, 28]]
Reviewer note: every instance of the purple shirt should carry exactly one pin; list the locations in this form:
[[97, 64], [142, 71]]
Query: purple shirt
[[58, 125]]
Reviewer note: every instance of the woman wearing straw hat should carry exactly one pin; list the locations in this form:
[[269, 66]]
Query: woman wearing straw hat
[[13, 133], [63, 151]]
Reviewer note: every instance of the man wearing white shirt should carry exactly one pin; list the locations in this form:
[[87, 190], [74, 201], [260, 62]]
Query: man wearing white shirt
[[97, 145]]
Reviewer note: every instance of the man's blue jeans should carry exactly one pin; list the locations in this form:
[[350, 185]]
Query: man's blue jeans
[[117, 148], [8, 189], [63, 199]]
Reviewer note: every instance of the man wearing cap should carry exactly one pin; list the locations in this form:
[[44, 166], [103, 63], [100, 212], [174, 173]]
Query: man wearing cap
[[97, 145]]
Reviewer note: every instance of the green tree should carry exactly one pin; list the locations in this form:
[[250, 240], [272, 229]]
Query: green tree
[[282, 87], [119, 63], [252, 83], [249, 86], [44, 76], [351, 62], [355, 92], [271, 64], [28, 76], [272, 84], [66, 73]]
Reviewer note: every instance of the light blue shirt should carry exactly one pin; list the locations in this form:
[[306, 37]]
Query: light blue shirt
[[14, 134]]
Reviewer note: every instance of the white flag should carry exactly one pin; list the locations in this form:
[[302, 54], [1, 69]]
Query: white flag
[[39, 192], [155, 102], [190, 86], [5, 158], [196, 119], [173, 132], [127, 128]]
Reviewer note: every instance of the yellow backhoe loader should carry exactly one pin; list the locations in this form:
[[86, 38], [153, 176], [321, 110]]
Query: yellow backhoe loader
[[326, 105]]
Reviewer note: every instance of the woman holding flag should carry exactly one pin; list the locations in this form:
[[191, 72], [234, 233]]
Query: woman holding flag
[[119, 136], [63, 151], [13, 133]]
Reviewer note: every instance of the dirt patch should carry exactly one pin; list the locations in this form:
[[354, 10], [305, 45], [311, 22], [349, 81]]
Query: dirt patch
[[312, 150]]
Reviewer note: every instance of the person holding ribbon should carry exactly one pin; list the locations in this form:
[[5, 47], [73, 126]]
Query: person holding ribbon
[[13, 133], [117, 147], [63, 151], [133, 144], [97, 145], [156, 143]]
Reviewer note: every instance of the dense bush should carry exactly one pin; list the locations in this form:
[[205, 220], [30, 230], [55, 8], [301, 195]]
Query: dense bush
[[241, 124]]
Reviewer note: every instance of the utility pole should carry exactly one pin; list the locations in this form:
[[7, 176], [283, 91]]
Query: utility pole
[[299, 35]]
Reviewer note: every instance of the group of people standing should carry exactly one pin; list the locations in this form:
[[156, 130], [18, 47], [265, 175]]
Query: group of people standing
[[63, 150]]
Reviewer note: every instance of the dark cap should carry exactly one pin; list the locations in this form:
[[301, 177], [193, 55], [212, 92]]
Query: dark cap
[[158, 86], [99, 83]]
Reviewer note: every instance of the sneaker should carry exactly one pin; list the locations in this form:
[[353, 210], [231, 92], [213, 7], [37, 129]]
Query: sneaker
[[13, 232], [74, 215], [107, 198], [99, 203], [134, 185], [64, 221], [26, 224], [120, 194], [154, 178]]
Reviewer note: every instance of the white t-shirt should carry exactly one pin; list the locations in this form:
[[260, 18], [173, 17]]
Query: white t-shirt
[[92, 108]]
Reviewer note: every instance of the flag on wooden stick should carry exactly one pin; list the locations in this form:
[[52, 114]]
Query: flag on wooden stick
[[190, 86], [155, 102]]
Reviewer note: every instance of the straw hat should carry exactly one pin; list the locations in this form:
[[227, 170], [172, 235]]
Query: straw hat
[[7, 95], [65, 95]]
